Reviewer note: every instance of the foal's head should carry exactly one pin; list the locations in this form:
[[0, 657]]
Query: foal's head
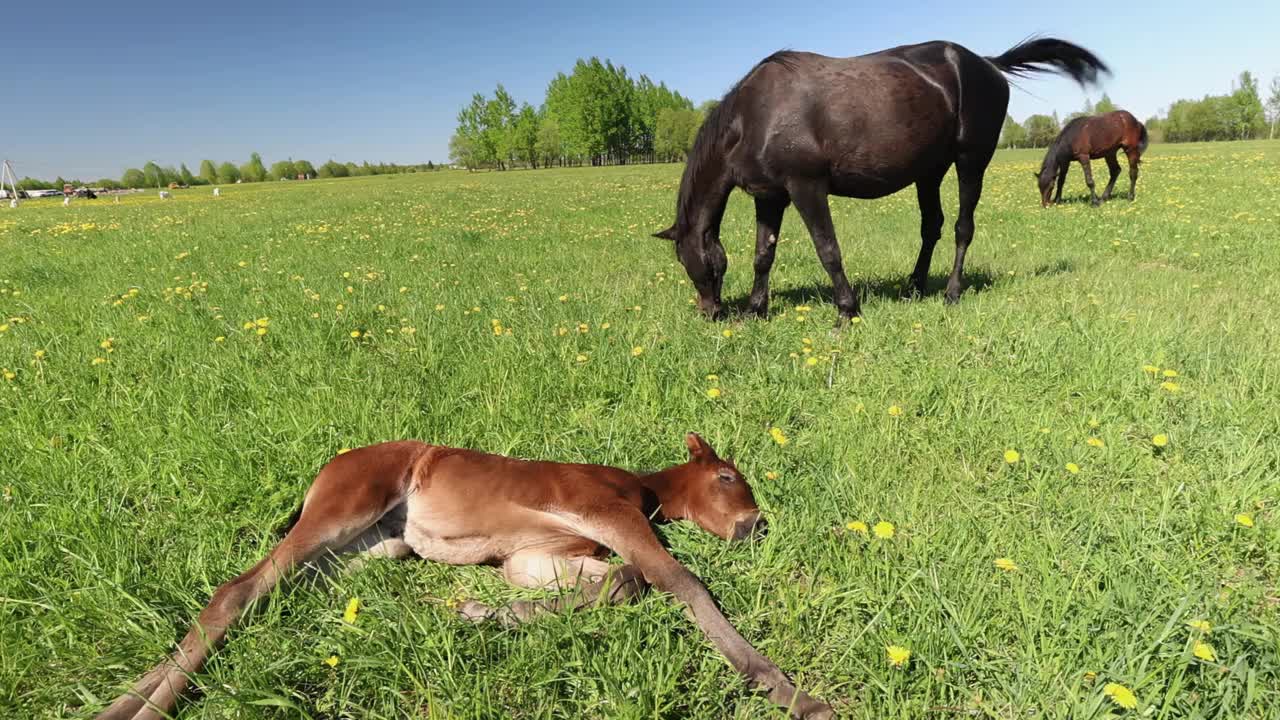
[[1045, 179], [710, 492]]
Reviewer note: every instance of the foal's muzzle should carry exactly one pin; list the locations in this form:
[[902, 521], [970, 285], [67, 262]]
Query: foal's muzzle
[[750, 525]]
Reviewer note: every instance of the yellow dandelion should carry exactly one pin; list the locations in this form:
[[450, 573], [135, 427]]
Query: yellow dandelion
[[1150, 369], [105, 344], [262, 322], [1160, 440], [439, 307], [1170, 373], [1073, 468], [261, 331], [713, 378], [4, 327], [856, 526], [98, 361], [40, 354], [1093, 422], [497, 329], [727, 332], [637, 351], [1095, 442], [1006, 564], [331, 661], [898, 655], [1201, 625], [1245, 519], [1172, 387], [248, 326], [883, 530], [564, 298], [895, 411], [856, 320], [1120, 695], [1011, 456], [771, 475], [1090, 676], [713, 393], [581, 358], [1204, 651], [8, 374], [779, 436], [811, 361], [220, 338], [353, 608]]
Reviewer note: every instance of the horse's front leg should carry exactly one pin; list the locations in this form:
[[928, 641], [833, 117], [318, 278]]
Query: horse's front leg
[[1088, 179], [1062, 180], [768, 225], [928, 196], [810, 199]]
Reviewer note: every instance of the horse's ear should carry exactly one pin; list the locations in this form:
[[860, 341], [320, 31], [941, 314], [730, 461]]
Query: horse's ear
[[698, 448], [668, 234]]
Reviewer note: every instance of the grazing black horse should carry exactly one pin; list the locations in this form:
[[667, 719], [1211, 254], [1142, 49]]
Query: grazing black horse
[[800, 127]]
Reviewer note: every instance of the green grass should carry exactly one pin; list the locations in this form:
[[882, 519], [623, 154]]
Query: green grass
[[134, 487]]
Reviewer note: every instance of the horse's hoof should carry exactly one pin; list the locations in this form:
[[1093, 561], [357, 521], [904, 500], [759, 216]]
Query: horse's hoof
[[952, 297]]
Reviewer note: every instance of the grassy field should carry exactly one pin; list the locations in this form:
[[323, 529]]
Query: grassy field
[[174, 374]]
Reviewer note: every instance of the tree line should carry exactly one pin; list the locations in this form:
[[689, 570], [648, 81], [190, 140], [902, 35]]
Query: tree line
[[597, 114], [153, 175], [1238, 115]]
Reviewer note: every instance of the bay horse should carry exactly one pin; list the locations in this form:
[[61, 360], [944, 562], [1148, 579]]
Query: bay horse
[[547, 524], [800, 127], [1089, 138]]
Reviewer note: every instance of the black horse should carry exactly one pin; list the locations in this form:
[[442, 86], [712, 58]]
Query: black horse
[[800, 127]]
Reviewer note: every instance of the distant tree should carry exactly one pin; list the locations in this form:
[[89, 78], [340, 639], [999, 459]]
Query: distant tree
[[1155, 128], [1273, 105], [153, 174], [431, 166], [186, 178], [302, 167], [228, 173], [254, 170], [208, 172], [462, 150], [1012, 135], [1249, 119], [524, 136], [109, 184], [1041, 130], [134, 178], [332, 169], [1104, 105], [283, 170], [550, 145]]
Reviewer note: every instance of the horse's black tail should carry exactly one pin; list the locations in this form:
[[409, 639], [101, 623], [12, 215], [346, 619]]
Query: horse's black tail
[[1051, 55], [1143, 138]]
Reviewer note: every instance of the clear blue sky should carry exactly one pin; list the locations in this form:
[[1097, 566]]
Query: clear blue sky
[[88, 89]]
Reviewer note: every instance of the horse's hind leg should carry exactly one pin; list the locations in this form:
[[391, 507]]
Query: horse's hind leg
[[1088, 179], [931, 217], [1113, 166], [810, 199], [1135, 159], [969, 169], [768, 224], [618, 585]]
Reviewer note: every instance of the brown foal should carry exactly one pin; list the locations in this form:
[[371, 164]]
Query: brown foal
[[548, 524]]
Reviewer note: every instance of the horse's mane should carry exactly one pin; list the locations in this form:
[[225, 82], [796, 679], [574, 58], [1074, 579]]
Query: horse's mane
[[717, 125], [1054, 156]]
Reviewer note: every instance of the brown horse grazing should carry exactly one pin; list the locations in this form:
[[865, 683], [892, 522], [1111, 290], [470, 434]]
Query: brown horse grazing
[[547, 524], [1090, 138], [800, 127]]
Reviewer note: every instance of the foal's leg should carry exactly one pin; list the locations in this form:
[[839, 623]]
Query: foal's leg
[[768, 224], [1135, 158], [1113, 166], [532, 569], [810, 199], [1088, 179], [1062, 180], [930, 200], [969, 170]]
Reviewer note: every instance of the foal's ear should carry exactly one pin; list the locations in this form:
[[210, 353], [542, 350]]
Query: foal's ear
[[698, 448], [668, 234]]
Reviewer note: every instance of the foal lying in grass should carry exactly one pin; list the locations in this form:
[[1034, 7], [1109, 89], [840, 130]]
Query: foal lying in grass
[[548, 524]]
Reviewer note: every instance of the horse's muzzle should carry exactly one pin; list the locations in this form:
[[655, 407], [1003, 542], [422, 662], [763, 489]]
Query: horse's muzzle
[[751, 525]]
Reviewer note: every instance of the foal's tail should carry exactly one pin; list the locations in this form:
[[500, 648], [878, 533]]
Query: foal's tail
[[1143, 138], [1051, 55]]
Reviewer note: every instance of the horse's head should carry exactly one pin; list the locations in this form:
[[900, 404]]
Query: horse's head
[[711, 492], [1044, 179], [705, 262]]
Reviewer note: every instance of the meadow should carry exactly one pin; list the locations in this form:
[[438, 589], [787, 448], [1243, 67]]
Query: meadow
[[1060, 496]]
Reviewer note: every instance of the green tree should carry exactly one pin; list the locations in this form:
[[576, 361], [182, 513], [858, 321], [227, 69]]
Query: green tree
[[283, 170], [208, 172], [332, 169], [302, 167], [1012, 135], [186, 178], [1104, 105], [524, 135], [153, 174], [228, 173], [1273, 105], [1249, 117], [462, 150], [550, 145], [254, 170], [1041, 130], [134, 178]]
